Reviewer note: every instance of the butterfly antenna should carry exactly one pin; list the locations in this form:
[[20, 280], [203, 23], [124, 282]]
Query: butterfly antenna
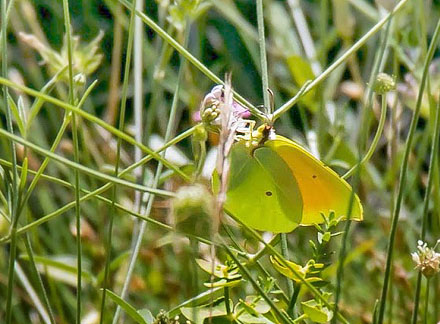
[[269, 118]]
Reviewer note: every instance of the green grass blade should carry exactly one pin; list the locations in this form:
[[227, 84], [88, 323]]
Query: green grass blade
[[108, 244], [403, 174], [82, 168], [432, 163], [130, 310], [193, 60], [95, 120], [319, 79]]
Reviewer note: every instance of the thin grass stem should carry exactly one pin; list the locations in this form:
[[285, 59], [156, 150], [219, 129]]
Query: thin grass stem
[[373, 146], [96, 120], [403, 174], [191, 58], [98, 191], [257, 287], [426, 312], [263, 57], [84, 169], [137, 237], [318, 80], [14, 190], [431, 172], [108, 244], [68, 32]]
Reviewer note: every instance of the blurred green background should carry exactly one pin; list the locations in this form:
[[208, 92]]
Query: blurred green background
[[223, 36]]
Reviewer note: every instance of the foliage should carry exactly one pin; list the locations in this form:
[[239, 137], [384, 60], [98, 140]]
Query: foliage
[[345, 83]]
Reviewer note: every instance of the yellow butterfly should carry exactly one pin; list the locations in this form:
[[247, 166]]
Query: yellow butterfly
[[277, 185]]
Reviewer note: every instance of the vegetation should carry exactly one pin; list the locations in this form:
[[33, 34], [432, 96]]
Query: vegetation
[[109, 128]]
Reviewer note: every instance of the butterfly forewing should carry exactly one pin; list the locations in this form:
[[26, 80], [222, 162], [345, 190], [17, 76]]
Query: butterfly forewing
[[262, 191]]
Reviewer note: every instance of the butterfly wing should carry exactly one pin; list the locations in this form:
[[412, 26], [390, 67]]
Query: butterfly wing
[[322, 189], [262, 191]]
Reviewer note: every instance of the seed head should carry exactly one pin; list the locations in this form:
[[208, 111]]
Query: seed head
[[384, 83], [427, 259]]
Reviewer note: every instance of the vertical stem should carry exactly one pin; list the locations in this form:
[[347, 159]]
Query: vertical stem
[[307, 87], [431, 172], [14, 191], [403, 172], [285, 254], [425, 317], [138, 91], [263, 57], [227, 300], [379, 61], [137, 236], [76, 159], [343, 250], [30, 253], [269, 110], [436, 296], [115, 70], [108, 245], [377, 136], [293, 299]]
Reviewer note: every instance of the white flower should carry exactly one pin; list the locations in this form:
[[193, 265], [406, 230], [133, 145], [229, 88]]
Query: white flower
[[427, 260]]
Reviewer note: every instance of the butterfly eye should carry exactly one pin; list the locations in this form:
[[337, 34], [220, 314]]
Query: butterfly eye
[[314, 176], [268, 193]]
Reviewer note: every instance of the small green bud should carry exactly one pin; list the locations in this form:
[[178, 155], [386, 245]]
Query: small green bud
[[194, 199], [207, 112], [384, 83], [162, 318], [79, 79], [193, 208], [200, 134], [210, 113]]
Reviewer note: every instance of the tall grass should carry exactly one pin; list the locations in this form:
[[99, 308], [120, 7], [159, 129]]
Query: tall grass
[[89, 156]]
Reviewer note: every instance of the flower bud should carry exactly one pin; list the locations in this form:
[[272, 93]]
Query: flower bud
[[384, 83], [79, 79], [193, 207], [200, 134], [426, 259]]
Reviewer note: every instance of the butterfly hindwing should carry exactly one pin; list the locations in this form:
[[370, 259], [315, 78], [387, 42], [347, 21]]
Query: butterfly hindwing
[[321, 188]]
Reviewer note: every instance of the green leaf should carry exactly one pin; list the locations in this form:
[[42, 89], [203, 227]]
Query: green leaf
[[17, 115], [39, 102], [316, 312], [302, 271], [199, 314], [220, 271], [251, 319], [23, 176], [301, 72], [60, 268], [204, 297], [146, 315], [222, 283], [129, 310], [261, 306], [21, 109], [254, 308]]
